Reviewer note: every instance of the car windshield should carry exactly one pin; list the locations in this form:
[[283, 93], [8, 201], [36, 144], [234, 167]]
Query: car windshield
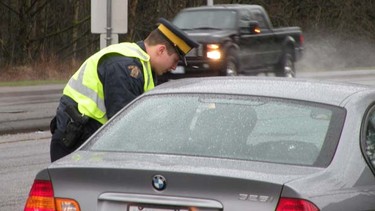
[[223, 126], [204, 19]]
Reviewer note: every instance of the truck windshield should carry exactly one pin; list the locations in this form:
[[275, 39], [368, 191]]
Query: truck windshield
[[204, 19]]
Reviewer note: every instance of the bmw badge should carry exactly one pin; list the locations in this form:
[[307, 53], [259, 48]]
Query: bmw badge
[[159, 182]]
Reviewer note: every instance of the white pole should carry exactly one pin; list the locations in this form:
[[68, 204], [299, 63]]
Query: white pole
[[210, 2], [109, 23]]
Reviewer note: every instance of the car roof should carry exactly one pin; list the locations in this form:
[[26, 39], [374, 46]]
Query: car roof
[[321, 91], [224, 6]]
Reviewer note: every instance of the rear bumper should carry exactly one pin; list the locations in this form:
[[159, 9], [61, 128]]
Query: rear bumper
[[299, 53]]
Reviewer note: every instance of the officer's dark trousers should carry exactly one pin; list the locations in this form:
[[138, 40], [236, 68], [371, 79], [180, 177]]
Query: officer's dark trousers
[[58, 127], [57, 149]]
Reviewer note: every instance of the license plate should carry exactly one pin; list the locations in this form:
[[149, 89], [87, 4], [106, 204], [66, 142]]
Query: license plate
[[179, 70], [140, 208]]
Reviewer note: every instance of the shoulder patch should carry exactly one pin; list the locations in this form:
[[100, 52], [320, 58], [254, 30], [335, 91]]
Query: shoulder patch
[[134, 71]]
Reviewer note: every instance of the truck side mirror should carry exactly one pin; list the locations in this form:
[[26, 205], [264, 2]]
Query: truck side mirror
[[254, 27]]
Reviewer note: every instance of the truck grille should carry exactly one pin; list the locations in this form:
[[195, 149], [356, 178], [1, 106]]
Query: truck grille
[[196, 52]]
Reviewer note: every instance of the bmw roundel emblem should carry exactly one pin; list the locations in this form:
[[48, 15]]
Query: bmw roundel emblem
[[159, 182]]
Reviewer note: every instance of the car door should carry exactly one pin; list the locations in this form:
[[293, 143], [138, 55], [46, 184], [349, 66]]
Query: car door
[[248, 43], [258, 50]]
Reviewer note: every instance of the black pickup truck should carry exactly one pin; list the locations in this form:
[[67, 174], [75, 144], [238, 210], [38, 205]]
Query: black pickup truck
[[236, 39]]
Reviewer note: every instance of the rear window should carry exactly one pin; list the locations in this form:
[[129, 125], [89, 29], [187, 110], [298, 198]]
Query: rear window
[[223, 126], [206, 19]]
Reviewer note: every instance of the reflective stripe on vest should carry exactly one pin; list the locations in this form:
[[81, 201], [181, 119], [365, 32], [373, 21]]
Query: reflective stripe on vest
[[85, 87]]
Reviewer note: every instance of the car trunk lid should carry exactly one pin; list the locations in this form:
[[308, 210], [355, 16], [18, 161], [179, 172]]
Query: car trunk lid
[[155, 182]]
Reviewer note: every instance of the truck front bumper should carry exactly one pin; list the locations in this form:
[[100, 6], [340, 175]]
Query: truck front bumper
[[194, 68]]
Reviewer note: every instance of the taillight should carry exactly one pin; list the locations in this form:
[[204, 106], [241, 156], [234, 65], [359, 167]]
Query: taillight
[[301, 40], [41, 198], [292, 204]]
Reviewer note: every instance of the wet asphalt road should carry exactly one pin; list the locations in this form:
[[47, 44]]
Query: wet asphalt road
[[24, 109], [21, 157], [27, 108]]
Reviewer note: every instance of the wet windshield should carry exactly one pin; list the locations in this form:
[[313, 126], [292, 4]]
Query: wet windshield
[[249, 128], [203, 19]]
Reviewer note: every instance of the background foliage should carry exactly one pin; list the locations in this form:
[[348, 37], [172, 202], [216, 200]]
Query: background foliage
[[56, 34]]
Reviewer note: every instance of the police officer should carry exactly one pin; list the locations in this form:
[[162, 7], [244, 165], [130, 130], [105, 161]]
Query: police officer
[[109, 80]]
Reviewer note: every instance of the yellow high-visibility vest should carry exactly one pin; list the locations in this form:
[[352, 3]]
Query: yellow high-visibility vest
[[85, 87]]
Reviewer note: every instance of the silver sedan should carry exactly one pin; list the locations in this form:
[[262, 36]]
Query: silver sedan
[[224, 143]]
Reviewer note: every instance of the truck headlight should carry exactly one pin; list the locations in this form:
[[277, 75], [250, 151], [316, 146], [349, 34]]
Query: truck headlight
[[213, 51]]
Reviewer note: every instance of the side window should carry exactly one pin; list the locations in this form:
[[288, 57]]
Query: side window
[[258, 16], [368, 145], [244, 15], [244, 20]]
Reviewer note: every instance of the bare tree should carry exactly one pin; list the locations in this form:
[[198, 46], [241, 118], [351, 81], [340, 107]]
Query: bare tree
[[35, 30]]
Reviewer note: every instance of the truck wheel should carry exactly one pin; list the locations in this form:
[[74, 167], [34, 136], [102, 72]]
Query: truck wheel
[[285, 68], [231, 67]]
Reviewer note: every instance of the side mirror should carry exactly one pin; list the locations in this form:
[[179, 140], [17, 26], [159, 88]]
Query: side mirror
[[254, 27]]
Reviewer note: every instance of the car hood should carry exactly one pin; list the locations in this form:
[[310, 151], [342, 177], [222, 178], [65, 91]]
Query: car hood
[[126, 178], [209, 36]]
